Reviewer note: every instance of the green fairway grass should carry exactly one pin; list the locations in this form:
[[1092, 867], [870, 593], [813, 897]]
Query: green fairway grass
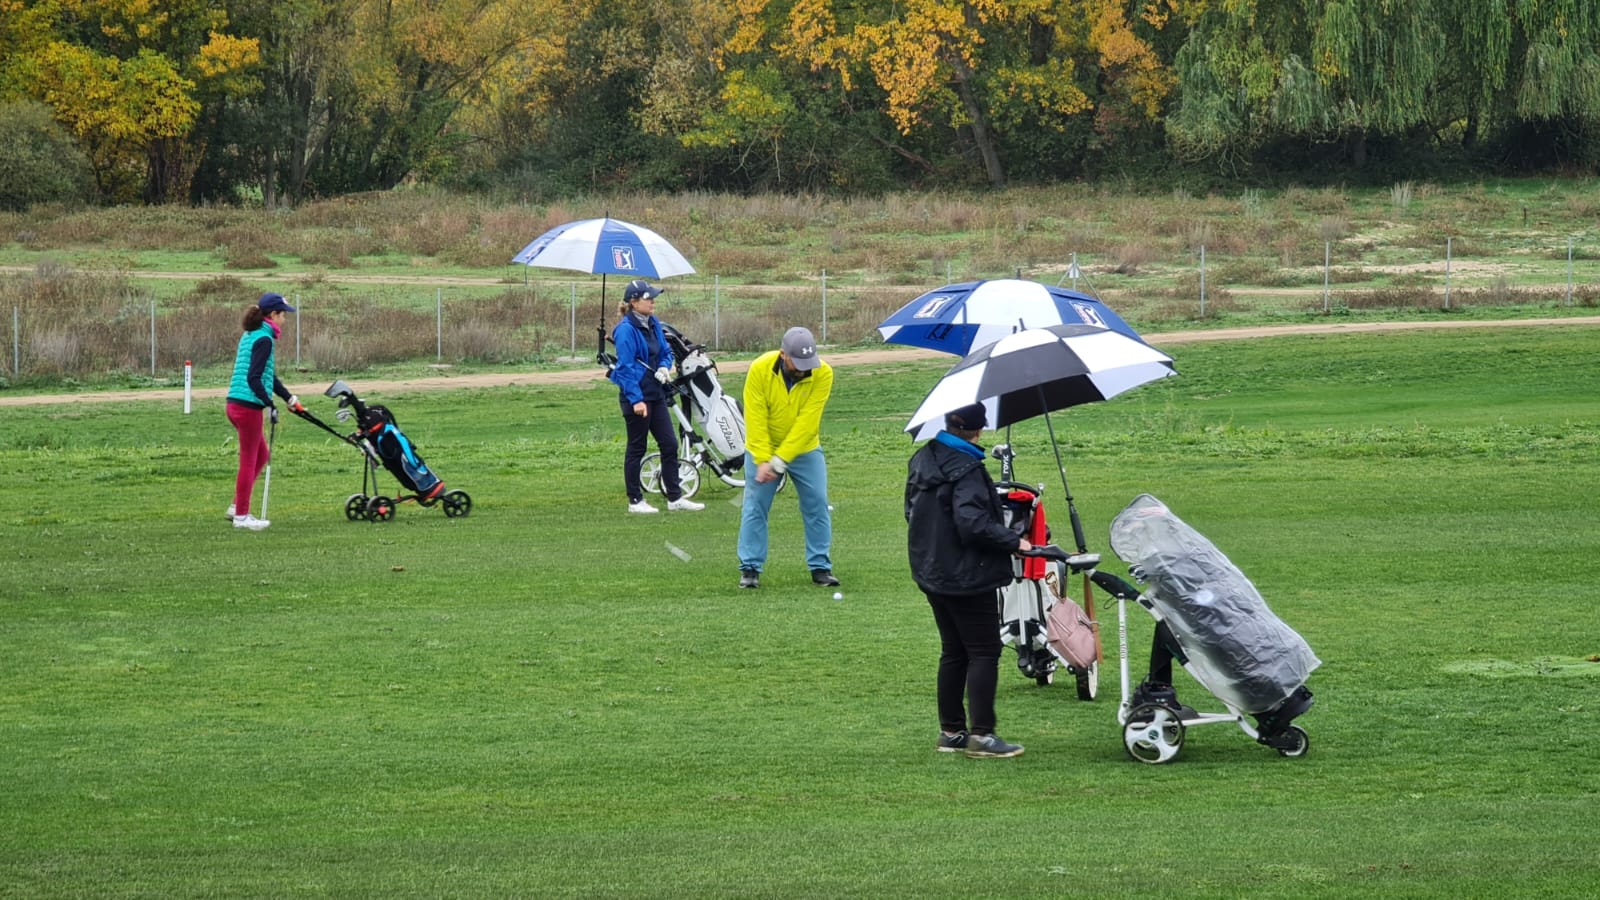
[[545, 699]]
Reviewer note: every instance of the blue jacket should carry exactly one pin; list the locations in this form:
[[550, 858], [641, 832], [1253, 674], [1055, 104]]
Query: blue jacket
[[638, 357]]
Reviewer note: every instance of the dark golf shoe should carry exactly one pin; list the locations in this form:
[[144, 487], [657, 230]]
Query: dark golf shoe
[[824, 577]]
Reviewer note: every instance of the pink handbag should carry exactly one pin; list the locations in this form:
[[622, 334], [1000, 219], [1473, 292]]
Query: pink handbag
[[1071, 634]]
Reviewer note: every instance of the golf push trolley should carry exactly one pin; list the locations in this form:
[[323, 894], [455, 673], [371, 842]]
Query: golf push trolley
[[381, 442], [1211, 621]]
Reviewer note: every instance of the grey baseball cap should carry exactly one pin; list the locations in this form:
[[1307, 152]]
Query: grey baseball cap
[[801, 348]]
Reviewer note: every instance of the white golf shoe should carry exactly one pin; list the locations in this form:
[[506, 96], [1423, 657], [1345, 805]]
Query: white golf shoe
[[642, 506], [685, 503], [250, 522], [230, 510]]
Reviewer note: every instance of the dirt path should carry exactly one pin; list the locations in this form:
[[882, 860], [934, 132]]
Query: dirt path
[[885, 354]]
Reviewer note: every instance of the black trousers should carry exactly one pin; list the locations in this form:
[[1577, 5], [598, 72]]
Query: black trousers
[[657, 422], [969, 659]]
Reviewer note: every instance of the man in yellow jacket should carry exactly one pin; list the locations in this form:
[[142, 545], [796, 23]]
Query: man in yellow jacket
[[784, 395]]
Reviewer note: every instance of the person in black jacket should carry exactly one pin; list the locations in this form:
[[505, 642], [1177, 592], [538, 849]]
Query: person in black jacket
[[960, 552]]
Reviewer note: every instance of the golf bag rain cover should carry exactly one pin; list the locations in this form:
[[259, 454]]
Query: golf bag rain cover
[[398, 456], [1237, 648]]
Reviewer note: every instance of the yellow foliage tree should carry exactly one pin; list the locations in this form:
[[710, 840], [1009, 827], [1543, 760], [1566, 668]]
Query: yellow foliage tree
[[127, 77], [981, 66]]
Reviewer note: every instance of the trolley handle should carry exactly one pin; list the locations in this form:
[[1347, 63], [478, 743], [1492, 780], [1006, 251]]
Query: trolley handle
[[1077, 562], [1115, 586]]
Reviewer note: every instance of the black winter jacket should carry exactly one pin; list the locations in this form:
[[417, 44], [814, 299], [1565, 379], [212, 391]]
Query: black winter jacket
[[954, 534]]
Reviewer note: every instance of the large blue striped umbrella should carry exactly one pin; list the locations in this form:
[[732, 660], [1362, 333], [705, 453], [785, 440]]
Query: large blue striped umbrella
[[958, 317], [605, 247]]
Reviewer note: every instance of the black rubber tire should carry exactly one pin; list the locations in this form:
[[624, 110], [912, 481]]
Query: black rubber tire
[[1088, 682], [456, 504]]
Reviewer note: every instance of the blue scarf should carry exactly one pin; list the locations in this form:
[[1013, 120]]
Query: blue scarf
[[955, 443]]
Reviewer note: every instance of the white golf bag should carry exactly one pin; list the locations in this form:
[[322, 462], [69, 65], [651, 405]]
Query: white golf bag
[[715, 436]]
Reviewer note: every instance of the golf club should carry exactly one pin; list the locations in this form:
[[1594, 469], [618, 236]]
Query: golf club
[[272, 436]]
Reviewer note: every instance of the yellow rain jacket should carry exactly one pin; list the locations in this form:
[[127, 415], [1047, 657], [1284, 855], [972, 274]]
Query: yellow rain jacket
[[782, 422]]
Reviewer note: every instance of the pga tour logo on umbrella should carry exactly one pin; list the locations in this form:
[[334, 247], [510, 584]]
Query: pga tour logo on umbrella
[[622, 257], [931, 309], [1089, 315]]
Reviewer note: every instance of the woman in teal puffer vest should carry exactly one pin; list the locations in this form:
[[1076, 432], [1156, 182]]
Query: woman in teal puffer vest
[[250, 392]]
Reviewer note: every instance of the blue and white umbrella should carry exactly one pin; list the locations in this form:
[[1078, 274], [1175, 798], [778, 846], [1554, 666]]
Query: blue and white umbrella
[[958, 317], [1037, 370], [605, 247]]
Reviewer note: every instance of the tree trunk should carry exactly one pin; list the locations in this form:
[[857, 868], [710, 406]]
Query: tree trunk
[[980, 125], [269, 179]]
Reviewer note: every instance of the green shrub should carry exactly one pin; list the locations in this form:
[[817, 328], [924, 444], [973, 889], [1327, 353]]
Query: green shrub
[[39, 163]]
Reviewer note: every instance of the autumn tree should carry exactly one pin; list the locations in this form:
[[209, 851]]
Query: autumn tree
[[128, 78], [980, 69]]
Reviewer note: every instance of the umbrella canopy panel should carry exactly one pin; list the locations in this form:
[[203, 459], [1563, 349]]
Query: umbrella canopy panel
[[1039, 370], [605, 247], [959, 317]]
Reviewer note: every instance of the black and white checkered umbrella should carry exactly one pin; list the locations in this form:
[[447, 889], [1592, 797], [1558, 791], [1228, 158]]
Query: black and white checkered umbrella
[[1037, 370]]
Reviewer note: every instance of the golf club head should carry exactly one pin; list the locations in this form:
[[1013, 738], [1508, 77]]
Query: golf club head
[[340, 392]]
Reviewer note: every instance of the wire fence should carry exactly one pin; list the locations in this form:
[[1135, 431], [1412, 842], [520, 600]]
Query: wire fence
[[66, 324]]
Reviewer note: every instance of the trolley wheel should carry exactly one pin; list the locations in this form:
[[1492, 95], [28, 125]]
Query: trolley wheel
[[1153, 734], [355, 507], [456, 504], [1294, 742], [650, 475], [380, 509], [730, 471], [1088, 681]]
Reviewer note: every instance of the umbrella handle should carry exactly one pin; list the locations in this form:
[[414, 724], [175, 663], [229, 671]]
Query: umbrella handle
[[1072, 510]]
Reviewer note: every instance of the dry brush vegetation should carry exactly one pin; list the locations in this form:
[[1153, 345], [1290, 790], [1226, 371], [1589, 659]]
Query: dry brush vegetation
[[82, 298]]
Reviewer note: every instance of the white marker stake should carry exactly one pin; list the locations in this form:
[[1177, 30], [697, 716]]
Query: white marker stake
[[188, 386], [679, 553]]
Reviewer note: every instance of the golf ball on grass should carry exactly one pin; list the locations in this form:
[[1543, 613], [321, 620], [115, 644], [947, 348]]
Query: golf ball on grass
[[837, 595]]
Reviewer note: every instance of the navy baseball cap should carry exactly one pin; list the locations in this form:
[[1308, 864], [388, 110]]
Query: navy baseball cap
[[271, 302]]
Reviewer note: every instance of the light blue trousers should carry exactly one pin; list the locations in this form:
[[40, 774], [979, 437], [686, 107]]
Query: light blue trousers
[[808, 473]]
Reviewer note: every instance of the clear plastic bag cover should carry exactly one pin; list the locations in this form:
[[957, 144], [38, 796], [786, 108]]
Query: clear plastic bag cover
[[1237, 648]]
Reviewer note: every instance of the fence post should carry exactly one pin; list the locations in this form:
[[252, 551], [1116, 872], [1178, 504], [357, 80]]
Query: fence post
[[1327, 256], [188, 386], [297, 302], [716, 312], [572, 306], [1447, 272], [438, 324], [1202, 281], [1569, 271], [16, 341], [152, 337], [824, 306]]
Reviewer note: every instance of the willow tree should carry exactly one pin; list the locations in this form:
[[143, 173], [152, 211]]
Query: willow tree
[[1254, 70], [1514, 65]]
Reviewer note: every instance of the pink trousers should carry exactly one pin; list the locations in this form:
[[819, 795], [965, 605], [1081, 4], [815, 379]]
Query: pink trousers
[[253, 453]]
